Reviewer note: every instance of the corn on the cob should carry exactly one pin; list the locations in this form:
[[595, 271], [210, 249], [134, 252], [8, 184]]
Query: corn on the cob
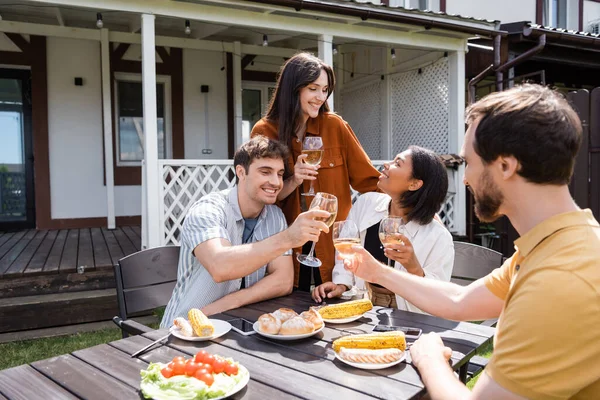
[[200, 323], [383, 340], [347, 309]]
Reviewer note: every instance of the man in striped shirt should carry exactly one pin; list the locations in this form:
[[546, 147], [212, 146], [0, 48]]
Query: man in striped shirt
[[235, 244]]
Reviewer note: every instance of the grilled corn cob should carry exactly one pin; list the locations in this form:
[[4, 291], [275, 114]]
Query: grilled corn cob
[[383, 340], [200, 323], [347, 309]]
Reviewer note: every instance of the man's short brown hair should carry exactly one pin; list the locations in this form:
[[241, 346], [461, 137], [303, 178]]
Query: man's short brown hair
[[532, 123], [259, 147]]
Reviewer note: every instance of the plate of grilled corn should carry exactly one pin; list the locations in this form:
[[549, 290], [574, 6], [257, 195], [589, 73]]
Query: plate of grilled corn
[[371, 351], [198, 327], [343, 313]]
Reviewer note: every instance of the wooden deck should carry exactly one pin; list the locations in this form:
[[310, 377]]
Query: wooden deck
[[31, 252], [41, 286]]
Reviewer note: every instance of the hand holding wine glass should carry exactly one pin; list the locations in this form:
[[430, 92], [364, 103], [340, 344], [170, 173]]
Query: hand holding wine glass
[[312, 146], [326, 202], [391, 230]]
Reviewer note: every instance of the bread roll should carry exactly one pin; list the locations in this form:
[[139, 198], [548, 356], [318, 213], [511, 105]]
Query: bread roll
[[284, 314], [268, 323], [313, 316], [369, 356], [296, 326]]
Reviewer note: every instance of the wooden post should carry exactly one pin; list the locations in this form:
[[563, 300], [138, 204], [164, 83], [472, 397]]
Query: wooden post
[[150, 130], [109, 174], [326, 54]]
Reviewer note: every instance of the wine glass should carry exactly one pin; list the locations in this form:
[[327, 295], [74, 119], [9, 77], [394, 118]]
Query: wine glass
[[346, 235], [326, 202], [313, 147], [390, 229]]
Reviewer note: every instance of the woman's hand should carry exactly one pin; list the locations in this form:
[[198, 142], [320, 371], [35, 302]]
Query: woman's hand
[[304, 171], [327, 290], [404, 253]]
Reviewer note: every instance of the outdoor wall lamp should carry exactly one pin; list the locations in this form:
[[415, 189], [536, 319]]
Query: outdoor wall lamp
[[187, 29], [265, 41], [99, 22], [393, 52]]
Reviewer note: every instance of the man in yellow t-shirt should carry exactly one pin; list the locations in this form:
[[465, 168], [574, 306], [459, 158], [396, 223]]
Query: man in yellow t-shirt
[[520, 149]]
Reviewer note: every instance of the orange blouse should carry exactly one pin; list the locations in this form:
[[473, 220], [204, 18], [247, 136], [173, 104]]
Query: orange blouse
[[344, 164]]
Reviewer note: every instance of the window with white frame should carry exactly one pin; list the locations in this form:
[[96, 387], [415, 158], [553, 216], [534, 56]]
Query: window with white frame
[[129, 116], [255, 101], [555, 13], [418, 4]]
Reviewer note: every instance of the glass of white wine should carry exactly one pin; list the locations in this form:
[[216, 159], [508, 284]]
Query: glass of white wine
[[312, 146], [326, 202], [390, 229], [345, 235]]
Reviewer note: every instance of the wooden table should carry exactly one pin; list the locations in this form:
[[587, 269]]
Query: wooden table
[[305, 369]]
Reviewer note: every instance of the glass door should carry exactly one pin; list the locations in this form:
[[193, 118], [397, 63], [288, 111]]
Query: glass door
[[255, 101], [17, 210]]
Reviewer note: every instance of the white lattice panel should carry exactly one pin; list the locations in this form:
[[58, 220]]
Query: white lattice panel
[[419, 108], [361, 108], [183, 183]]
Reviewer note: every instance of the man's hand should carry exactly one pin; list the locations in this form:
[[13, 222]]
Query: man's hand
[[363, 264], [304, 171], [327, 290], [305, 228], [404, 253], [429, 350]]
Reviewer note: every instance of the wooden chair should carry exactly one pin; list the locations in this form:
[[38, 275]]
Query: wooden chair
[[472, 262], [145, 280]]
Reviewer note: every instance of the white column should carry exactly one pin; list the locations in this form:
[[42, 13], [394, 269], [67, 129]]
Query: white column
[[237, 93], [386, 109], [107, 128], [326, 54], [456, 130], [150, 129]]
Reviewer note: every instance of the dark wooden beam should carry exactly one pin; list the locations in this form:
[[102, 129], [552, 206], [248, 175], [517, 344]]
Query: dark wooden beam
[[259, 76], [539, 12], [247, 60], [443, 6], [14, 58], [119, 51], [19, 41], [177, 107], [164, 55], [580, 16], [230, 108]]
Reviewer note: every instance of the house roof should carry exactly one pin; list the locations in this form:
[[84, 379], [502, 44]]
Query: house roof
[[525, 30], [383, 12]]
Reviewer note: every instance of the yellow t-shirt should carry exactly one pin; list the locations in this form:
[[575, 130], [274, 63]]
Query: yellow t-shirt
[[547, 344]]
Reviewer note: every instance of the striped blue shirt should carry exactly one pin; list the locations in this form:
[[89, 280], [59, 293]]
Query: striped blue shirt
[[216, 215]]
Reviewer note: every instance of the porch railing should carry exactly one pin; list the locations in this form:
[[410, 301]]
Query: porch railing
[[183, 182]]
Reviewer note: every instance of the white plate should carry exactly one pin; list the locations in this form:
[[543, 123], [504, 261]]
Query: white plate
[[286, 337], [343, 320], [241, 384], [369, 365], [221, 328]]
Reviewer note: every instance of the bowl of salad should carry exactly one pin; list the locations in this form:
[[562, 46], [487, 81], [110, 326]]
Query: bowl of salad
[[204, 376]]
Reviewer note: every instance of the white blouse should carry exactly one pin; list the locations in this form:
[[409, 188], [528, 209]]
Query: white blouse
[[432, 244]]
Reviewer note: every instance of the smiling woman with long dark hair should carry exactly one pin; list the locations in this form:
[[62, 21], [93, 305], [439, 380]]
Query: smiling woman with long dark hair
[[299, 109], [414, 187]]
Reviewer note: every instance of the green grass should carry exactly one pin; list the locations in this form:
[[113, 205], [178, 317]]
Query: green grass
[[485, 351], [27, 351]]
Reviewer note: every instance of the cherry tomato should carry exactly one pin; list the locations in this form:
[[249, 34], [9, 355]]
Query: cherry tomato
[[178, 368], [201, 371], [209, 359], [166, 372], [231, 369], [191, 367], [208, 367], [200, 356], [206, 378], [178, 358], [219, 365]]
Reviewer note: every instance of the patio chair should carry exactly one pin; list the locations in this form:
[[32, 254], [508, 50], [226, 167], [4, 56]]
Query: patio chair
[[145, 281], [472, 262]]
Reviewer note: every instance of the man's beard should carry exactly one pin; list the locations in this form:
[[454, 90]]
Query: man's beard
[[488, 200]]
